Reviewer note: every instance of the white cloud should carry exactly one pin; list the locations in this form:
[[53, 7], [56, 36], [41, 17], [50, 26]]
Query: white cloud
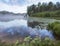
[[14, 2], [13, 8], [6, 1], [36, 1], [17, 7]]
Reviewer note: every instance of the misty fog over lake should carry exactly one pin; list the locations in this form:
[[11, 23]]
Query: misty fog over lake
[[9, 17]]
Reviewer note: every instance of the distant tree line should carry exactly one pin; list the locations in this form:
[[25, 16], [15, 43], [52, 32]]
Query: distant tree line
[[41, 7]]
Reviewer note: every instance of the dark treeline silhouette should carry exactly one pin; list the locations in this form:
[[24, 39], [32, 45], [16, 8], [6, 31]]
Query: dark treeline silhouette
[[41, 7]]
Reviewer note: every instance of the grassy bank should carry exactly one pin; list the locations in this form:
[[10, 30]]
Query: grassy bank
[[47, 14]]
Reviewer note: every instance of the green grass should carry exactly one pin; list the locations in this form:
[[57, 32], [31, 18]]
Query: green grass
[[47, 14]]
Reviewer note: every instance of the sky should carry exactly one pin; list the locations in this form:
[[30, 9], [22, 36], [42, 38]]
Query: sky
[[19, 6]]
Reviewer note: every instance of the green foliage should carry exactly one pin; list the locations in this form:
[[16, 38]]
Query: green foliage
[[17, 43], [34, 42], [52, 25], [46, 14], [58, 13], [55, 28], [57, 43], [44, 10], [48, 42]]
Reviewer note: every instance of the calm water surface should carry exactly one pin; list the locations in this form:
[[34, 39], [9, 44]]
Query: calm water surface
[[18, 25]]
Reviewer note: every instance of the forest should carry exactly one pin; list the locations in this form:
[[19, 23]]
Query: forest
[[44, 9]]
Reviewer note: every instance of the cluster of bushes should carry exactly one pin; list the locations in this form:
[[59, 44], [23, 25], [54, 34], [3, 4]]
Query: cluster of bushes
[[28, 41], [55, 28], [33, 42], [46, 14]]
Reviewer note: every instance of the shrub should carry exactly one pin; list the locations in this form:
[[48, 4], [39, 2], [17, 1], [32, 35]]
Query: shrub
[[55, 28], [47, 14], [51, 25], [58, 13]]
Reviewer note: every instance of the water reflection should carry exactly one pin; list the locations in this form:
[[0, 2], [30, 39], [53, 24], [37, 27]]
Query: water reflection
[[20, 28]]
